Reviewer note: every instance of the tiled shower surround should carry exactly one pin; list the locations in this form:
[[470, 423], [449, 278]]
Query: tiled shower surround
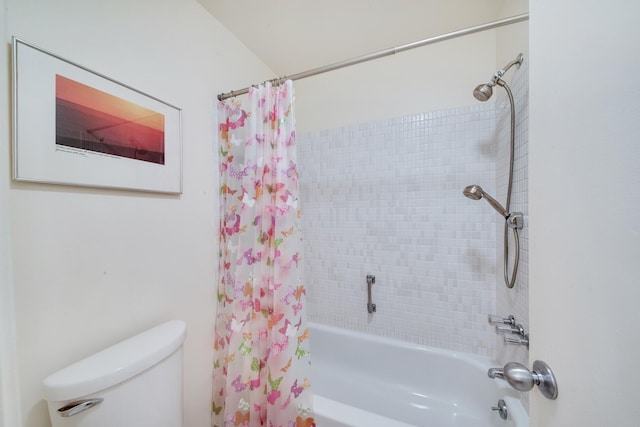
[[385, 198], [516, 300]]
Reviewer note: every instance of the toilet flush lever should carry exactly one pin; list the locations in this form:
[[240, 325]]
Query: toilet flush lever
[[78, 406]]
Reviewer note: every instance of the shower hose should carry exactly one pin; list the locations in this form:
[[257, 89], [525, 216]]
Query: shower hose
[[510, 280]]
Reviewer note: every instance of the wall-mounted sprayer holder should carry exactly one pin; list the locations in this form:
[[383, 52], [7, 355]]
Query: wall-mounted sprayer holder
[[512, 220], [371, 307], [515, 220], [507, 325]]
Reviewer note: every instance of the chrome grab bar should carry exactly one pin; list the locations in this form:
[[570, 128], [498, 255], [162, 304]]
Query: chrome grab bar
[[371, 307]]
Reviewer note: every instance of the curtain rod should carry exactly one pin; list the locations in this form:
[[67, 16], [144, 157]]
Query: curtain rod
[[387, 52]]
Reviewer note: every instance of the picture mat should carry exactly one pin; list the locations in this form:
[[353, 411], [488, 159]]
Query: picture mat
[[38, 158]]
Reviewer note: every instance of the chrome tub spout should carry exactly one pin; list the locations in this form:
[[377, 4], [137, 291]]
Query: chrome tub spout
[[496, 373]]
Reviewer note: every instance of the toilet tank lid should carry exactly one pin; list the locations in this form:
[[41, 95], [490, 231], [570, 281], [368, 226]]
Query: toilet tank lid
[[115, 364]]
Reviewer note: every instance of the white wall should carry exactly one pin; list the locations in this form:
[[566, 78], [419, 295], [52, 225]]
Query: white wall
[[90, 266], [9, 396], [512, 39], [430, 78], [584, 204]]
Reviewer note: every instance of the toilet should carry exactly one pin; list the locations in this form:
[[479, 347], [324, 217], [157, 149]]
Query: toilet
[[135, 383]]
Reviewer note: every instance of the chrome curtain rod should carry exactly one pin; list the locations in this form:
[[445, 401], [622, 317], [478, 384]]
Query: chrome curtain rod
[[387, 52]]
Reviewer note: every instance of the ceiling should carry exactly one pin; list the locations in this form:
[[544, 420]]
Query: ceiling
[[292, 36]]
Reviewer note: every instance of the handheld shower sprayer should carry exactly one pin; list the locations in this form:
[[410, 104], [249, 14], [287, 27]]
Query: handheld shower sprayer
[[475, 192]]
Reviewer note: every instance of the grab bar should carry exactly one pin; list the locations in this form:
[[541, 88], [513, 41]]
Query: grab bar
[[371, 307]]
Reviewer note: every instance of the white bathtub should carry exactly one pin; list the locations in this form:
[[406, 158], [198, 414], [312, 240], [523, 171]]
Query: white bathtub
[[361, 380]]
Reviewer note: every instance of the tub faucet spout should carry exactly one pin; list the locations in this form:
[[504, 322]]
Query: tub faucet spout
[[523, 379], [496, 373]]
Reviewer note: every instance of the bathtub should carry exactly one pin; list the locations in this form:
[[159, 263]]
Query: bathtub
[[361, 380]]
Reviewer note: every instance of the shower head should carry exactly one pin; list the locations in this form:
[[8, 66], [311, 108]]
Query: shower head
[[484, 91], [475, 192]]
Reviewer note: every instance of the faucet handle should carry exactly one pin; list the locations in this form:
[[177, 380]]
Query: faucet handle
[[502, 409], [523, 340], [509, 329], [499, 320]]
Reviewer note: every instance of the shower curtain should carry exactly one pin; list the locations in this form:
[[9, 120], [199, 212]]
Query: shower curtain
[[261, 339]]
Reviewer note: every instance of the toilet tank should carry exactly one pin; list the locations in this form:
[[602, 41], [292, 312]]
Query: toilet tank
[[135, 383]]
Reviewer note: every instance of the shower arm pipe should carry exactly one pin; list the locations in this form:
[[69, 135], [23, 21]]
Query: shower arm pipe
[[500, 73], [386, 52]]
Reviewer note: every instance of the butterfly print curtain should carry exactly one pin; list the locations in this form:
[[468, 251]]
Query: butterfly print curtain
[[261, 339]]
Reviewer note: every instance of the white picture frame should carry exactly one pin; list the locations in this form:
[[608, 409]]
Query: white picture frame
[[73, 126]]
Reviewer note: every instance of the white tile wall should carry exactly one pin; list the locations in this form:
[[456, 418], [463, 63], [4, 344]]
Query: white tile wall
[[385, 198], [516, 300]]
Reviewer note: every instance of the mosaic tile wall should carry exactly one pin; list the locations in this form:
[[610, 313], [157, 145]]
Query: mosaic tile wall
[[514, 301], [385, 198]]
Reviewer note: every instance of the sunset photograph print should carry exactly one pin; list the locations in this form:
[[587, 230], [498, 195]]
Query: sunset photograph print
[[95, 121]]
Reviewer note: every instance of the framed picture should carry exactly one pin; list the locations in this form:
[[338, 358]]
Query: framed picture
[[74, 126]]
